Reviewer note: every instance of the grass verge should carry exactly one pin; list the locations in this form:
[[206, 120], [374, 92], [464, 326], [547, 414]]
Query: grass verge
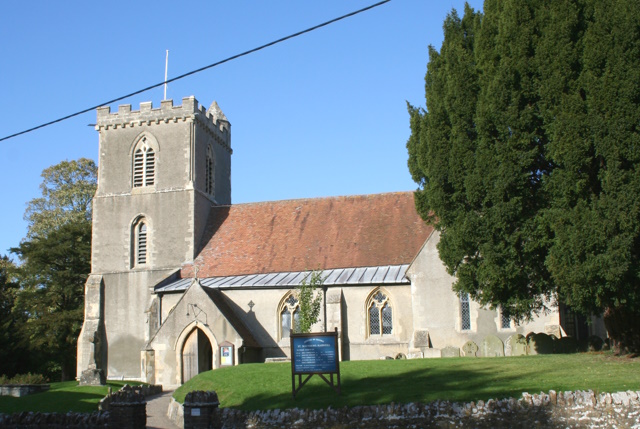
[[61, 398], [268, 386]]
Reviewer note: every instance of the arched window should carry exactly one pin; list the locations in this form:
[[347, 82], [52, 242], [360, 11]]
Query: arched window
[[505, 319], [465, 312], [289, 311], [380, 314], [140, 242], [209, 169], [144, 164]]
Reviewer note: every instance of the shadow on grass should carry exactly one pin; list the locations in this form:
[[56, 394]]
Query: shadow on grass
[[420, 385], [60, 398]]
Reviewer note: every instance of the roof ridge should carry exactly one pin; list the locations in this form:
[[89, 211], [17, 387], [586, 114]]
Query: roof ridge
[[331, 197]]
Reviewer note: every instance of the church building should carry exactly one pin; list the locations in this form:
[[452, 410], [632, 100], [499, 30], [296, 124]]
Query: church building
[[183, 281]]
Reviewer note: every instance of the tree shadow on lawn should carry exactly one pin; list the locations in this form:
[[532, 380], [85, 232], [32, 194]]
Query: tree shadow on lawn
[[423, 385], [52, 402], [61, 398]]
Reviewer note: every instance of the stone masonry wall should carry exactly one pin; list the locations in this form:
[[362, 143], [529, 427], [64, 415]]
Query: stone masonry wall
[[545, 410]]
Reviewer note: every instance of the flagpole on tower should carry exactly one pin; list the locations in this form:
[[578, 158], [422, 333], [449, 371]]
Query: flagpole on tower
[[166, 66]]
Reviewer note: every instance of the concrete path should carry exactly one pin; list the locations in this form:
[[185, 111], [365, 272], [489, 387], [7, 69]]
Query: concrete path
[[157, 407]]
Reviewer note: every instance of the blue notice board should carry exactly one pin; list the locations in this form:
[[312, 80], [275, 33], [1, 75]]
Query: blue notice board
[[314, 354]]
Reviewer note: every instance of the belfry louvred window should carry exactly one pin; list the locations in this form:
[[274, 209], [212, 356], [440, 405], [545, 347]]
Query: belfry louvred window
[[144, 165]]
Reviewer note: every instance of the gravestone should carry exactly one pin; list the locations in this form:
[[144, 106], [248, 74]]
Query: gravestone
[[539, 344], [470, 349], [450, 351], [566, 345], [421, 338], [516, 345], [492, 346], [595, 343]]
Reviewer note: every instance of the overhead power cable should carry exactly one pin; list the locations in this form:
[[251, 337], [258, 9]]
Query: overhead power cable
[[275, 42]]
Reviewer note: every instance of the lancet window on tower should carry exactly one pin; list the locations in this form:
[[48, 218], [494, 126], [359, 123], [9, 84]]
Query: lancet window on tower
[[140, 242], [209, 177], [380, 314], [144, 164]]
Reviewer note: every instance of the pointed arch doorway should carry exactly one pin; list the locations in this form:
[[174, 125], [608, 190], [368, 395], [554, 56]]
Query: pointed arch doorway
[[197, 355]]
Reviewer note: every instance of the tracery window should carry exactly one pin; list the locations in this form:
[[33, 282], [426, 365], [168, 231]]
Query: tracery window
[[465, 312], [209, 170], [140, 240], [289, 311], [144, 164], [380, 314]]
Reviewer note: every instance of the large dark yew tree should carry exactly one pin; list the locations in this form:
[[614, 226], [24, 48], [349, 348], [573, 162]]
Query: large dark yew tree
[[527, 157]]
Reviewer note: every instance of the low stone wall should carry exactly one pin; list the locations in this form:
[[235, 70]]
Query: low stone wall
[[127, 409], [549, 410], [18, 390], [144, 390], [28, 420]]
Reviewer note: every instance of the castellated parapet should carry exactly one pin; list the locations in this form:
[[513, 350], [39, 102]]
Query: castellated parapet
[[212, 120]]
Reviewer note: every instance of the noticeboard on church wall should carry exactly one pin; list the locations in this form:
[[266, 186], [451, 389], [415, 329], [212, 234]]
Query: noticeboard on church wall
[[315, 353], [226, 354]]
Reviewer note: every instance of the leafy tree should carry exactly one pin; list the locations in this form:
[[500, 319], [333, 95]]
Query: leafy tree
[[13, 355], [55, 262], [51, 297], [67, 192], [527, 156], [310, 301]]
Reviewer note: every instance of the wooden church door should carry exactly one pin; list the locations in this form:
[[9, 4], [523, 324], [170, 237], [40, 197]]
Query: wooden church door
[[197, 355]]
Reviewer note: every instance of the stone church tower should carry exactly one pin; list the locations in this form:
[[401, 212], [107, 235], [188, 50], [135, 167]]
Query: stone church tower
[[160, 172]]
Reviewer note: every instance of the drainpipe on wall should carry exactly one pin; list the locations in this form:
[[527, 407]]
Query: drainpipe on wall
[[324, 306]]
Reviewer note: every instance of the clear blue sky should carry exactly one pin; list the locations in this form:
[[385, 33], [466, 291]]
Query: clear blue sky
[[320, 115]]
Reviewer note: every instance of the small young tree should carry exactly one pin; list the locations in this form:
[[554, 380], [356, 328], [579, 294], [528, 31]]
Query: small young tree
[[310, 302]]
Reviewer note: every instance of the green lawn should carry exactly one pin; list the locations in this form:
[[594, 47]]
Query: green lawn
[[61, 397], [268, 386]]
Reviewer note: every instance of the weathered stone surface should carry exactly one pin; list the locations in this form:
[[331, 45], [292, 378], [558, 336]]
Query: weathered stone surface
[[421, 338], [516, 345], [19, 390], [492, 346], [470, 349], [451, 351], [566, 345], [537, 410], [92, 377], [539, 344], [200, 410]]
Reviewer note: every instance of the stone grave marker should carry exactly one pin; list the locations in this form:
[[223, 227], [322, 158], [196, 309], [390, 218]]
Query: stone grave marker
[[470, 349], [450, 351], [539, 344], [492, 346], [516, 345]]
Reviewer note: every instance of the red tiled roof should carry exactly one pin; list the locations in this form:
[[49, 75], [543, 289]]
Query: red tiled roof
[[319, 233]]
